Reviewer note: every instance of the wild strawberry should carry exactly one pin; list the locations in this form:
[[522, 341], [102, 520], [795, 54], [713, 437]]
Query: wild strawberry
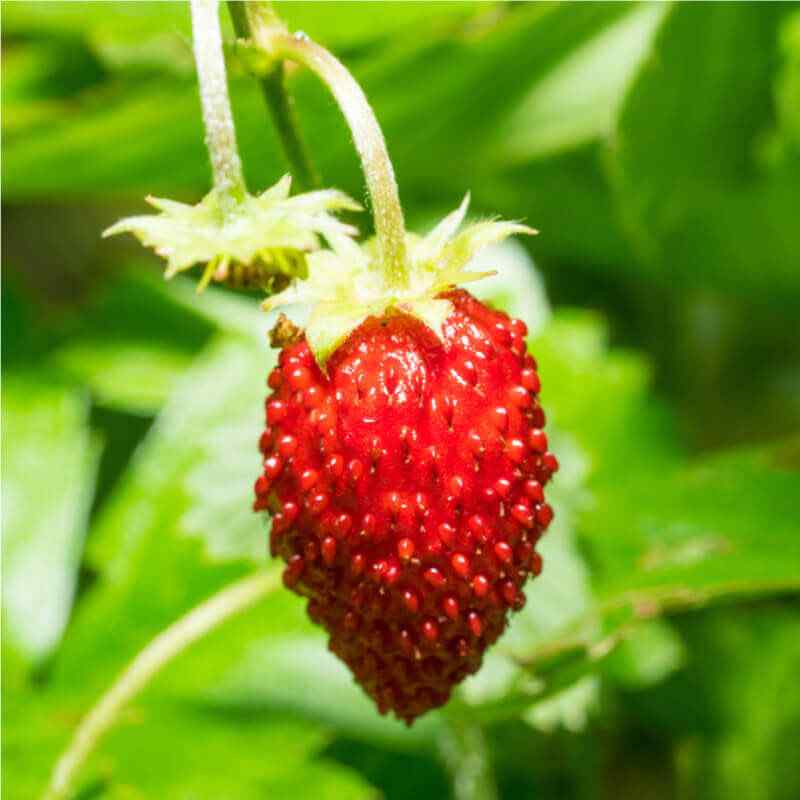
[[406, 488], [404, 458]]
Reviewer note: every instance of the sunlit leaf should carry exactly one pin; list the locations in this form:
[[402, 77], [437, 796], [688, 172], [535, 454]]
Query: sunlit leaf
[[700, 207], [49, 465]]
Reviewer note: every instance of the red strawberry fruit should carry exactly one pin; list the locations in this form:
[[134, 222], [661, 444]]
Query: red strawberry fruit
[[405, 483]]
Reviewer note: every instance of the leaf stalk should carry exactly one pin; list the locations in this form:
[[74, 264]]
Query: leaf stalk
[[202, 619]]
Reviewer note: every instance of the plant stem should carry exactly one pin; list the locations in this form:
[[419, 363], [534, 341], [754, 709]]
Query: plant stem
[[277, 43], [284, 117], [281, 107], [465, 755], [217, 116], [157, 654]]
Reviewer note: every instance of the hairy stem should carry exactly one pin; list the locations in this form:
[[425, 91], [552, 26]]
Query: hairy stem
[[278, 44], [280, 105], [217, 116], [157, 654]]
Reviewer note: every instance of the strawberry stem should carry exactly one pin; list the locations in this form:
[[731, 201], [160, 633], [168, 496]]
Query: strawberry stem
[[280, 105], [202, 619], [226, 165], [465, 755], [271, 37]]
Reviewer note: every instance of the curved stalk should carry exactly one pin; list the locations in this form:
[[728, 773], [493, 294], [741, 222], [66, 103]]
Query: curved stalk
[[226, 165], [156, 655], [277, 43]]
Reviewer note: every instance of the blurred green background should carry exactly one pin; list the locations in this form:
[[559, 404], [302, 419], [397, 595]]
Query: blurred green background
[[657, 149]]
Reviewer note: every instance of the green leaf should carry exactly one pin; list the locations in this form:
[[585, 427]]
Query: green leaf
[[602, 397], [568, 708], [50, 460], [226, 312], [28, 71], [659, 529], [131, 345], [691, 536], [737, 735], [109, 26], [577, 100], [203, 449], [700, 207], [94, 20], [516, 285], [788, 88], [225, 431], [132, 376], [179, 524], [343, 26], [461, 79], [274, 756], [752, 753], [159, 121], [175, 748], [295, 673], [651, 653]]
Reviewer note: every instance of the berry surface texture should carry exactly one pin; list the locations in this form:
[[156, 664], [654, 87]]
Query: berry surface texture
[[406, 488]]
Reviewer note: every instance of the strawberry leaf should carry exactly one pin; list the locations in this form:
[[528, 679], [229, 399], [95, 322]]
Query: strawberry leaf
[[53, 453]]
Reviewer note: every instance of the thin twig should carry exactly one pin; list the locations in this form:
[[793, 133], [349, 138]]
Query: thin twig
[[284, 117], [281, 108], [156, 655]]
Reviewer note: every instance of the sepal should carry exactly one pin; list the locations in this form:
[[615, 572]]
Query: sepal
[[271, 231], [345, 286]]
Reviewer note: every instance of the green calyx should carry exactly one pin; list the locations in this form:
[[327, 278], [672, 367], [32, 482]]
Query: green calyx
[[345, 285], [270, 233]]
